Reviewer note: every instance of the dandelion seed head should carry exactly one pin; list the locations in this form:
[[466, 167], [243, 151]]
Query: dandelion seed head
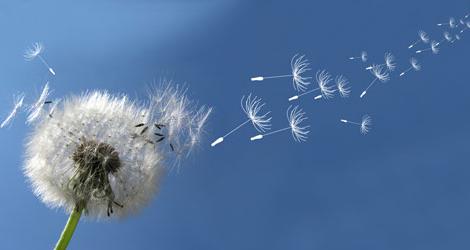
[[300, 66], [323, 79], [364, 56], [252, 107], [365, 124], [296, 116], [342, 84], [33, 51], [18, 104], [452, 22], [91, 154], [390, 61], [414, 64], [434, 47], [423, 36], [35, 111], [380, 73], [447, 36]]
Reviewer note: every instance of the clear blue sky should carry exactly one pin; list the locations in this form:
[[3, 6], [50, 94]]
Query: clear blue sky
[[405, 185]]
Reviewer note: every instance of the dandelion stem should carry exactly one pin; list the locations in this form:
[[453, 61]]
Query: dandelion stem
[[280, 76], [69, 228]]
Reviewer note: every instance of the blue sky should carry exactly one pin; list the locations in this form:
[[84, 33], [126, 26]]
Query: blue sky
[[405, 185]]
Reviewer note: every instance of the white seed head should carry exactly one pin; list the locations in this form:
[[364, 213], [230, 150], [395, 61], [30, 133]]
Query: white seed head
[[364, 56], [323, 79], [434, 47], [36, 110], [33, 51], [448, 36], [98, 151], [252, 107], [342, 84], [380, 73], [299, 67], [414, 64], [452, 23], [365, 124], [296, 116], [18, 104], [423, 36], [390, 61]]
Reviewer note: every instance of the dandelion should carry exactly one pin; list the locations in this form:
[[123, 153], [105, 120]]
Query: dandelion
[[467, 26], [18, 104], [87, 158], [363, 57], [295, 116], [452, 23], [323, 79], [36, 110], [35, 51], [341, 84], [252, 108], [414, 66], [364, 125], [423, 38], [389, 62], [434, 48], [380, 73], [299, 66]]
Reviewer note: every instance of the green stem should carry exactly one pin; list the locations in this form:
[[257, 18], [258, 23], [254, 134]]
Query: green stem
[[69, 228]]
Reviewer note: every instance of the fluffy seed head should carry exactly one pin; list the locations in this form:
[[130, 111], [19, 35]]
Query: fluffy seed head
[[324, 79], [364, 56], [33, 51], [296, 116], [93, 151], [448, 36], [380, 73], [342, 84], [390, 61], [434, 47], [299, 66], [252, 107], [414, 64], [36, 110], [423, 36], [16, 106], [365, 124]]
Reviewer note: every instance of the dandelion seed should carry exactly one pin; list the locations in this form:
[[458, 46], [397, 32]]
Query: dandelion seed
[[18, 104], [251, 106], [299, 66], [363, 57], [36, 110], [434, 48], [341, 83], [380, 73], [364, 125], [35, 51], [423, 38], [452, 23], [295, 116], [86, 158], [414, 66]]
